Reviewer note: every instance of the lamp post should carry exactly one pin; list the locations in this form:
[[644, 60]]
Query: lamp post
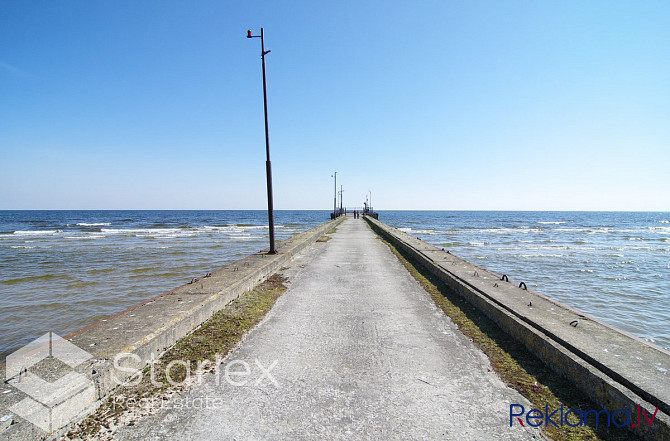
[[268, 165], [341, 206], [370, 191], [335, 195]]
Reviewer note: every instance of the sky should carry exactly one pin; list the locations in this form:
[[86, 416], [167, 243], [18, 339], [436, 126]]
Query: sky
[[425, 105]]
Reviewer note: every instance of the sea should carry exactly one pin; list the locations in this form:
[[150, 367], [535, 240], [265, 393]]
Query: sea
[[63, 270]]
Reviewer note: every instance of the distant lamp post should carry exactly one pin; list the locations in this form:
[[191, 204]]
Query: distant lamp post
[[334, 195], [370, 191], [268, 165], [341, 206]]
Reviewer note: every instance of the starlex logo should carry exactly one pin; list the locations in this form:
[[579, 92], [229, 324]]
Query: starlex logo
[[49, 405], [619, 417]]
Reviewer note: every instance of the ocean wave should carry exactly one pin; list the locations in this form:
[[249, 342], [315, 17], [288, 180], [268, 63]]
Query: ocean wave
[[138, 230], [142, 276], [84, 237], [95, 224], [81, 284], [534, 256], [150, 233], [420, 231], [497, 230], [235, 228], [35, 278], [551, 222], [101, 270], [599, 231], [37, 232], [171, 235]]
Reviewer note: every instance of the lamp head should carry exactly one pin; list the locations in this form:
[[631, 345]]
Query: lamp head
[[249, 33]]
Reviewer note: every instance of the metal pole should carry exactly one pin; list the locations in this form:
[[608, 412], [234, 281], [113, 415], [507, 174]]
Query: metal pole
[[341, 191], [370, 191], [335, 195], [268, 164]]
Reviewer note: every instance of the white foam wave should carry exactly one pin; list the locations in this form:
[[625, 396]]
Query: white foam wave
[[37, 232], [532, 256], [166, 235], [95, 224], [97, 236], [140, 230], [236, 228], [551, 222]]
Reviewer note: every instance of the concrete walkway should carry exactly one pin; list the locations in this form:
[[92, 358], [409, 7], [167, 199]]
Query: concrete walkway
[[355, 349]]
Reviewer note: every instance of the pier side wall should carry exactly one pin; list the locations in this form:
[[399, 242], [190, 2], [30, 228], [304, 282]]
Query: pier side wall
[[616, 370], [125, 343]]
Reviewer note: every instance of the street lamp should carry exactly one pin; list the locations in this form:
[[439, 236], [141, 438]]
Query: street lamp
[[268, 165], [370, 191], [334, 195], [341, 206]]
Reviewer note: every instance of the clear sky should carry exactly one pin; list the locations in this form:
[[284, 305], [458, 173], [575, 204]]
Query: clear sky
[[502, 105]]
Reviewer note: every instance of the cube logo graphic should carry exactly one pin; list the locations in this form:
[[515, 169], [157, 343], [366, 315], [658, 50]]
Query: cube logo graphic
[[50, 405]]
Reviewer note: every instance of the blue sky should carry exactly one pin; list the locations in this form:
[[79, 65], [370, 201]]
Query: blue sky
[[501, 105]]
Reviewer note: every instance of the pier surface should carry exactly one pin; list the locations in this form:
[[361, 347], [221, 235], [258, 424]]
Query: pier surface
[[354, 349]]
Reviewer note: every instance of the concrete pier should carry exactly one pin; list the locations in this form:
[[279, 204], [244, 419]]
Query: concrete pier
[[358, 350], [354, 349]]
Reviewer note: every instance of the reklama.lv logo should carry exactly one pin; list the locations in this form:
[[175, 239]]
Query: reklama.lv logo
[[619, 417]]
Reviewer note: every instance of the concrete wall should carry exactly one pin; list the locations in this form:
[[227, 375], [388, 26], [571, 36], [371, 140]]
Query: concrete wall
[[616, 370], [148, 329]]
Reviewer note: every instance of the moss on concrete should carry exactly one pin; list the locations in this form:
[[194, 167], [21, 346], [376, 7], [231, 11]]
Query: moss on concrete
[[216, 337], [515, 365]]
